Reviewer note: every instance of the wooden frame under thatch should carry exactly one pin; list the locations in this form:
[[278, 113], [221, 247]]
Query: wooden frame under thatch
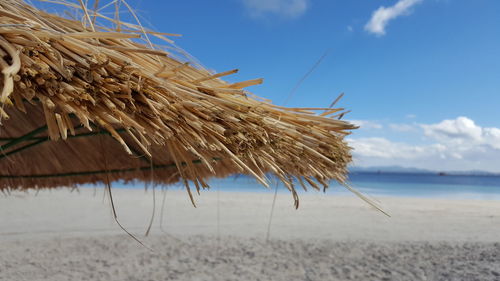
[[84, 103]]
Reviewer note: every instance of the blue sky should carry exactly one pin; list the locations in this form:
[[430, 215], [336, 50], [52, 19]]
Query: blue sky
[[422, 77]]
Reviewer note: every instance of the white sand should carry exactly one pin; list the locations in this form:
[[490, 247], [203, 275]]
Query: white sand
[[59, 235]]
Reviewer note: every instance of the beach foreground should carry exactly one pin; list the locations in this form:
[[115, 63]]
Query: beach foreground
[[62, 235]]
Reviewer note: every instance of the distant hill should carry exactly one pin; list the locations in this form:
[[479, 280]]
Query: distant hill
[[409, 170]]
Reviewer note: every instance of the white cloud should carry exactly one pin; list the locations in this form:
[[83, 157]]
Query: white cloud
[[457, 144], [384, 148], [381, 17], [463, 132], [455, 131], [285, 8], [367, 124], [402, 127], [437, 156]]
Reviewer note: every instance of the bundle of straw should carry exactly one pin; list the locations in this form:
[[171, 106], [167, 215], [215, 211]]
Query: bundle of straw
[[88, 82]]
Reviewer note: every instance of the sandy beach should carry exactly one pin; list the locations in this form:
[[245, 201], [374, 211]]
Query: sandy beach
[[63, 235]]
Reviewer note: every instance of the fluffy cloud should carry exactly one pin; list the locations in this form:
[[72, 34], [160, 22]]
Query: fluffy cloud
[[286, 8], [463, 132], [402, 127], [457, 144], [381, 17], [384, 148], [367, 124]]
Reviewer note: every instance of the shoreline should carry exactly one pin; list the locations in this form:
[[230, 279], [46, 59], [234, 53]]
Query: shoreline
[[337, 191]]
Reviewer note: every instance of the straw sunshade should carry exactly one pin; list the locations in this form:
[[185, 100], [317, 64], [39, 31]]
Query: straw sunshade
[[83, 102]]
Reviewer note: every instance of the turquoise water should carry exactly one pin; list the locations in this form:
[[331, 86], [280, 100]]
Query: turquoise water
[[397, 184], [374, 184], [428, 185]]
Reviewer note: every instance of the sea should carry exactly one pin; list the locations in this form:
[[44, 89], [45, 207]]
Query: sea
[[377, 185]]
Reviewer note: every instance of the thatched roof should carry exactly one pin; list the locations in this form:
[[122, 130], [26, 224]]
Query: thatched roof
[[82, 103]]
